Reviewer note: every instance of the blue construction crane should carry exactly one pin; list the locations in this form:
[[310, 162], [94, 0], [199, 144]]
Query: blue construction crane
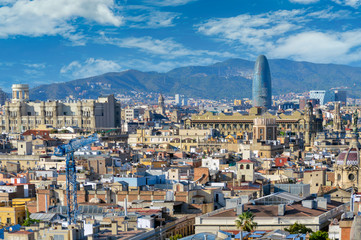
[[71, 184]]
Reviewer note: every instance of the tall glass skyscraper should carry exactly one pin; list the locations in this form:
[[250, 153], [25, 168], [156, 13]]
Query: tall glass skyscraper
[[261, 86]]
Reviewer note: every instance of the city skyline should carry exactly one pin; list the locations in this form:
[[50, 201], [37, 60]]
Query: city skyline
[[40, 46], [180, 119]]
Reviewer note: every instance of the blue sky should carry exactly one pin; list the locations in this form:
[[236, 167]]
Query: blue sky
[[44, 41]]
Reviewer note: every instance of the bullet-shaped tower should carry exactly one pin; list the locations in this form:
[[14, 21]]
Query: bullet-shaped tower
[[261, 86]]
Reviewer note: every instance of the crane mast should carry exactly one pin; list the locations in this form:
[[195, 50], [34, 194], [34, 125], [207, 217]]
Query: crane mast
[[71, 183]]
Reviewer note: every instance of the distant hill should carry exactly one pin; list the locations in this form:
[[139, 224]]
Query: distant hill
[[230, 79]]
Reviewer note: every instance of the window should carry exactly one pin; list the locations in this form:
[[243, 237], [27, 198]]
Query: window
[[58, 237], [339, 177], [8, 220], [247, 167]]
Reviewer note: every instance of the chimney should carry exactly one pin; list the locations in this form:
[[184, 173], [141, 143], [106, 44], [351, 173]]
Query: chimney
[[311, 204], [281, 209], [328, 197], [46, 203], [240, 209], [125, 206], [114, 228], [42, 225], [321, 203]]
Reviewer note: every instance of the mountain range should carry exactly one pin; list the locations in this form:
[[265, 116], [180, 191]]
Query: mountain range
[[230, 79]]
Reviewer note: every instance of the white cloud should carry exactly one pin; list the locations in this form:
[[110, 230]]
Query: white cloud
[[288, 34], [327, 47], [309, 46], [49, 17], [256, 31], [7, 64], [166, 48], [304, 1], [330, 14], [154, 46], [35, 65], [171, 3], [7, 2], [91, 67], [351, 3], [149, 17]]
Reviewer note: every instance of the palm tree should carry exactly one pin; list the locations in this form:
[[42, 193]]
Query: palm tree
[[245, 222], [319, 235]]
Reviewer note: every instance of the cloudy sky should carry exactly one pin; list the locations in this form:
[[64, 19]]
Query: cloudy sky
[[43, 41]]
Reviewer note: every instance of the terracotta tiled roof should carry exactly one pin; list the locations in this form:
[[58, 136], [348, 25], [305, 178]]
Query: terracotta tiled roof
[[294, 210], [245, 161], [36, 132], [21, 232], [326, 189]]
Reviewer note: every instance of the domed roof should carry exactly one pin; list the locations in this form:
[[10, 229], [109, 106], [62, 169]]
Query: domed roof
[[351, 155], [95, 200]]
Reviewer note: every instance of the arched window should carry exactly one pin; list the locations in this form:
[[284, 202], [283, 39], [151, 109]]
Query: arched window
[[247, 167], [242, 166]]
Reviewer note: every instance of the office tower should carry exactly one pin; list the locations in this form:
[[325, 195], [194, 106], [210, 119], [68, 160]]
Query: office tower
[[261, 87]]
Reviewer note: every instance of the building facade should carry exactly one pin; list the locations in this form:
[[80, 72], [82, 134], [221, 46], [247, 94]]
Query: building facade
[[131, 113], [347, 165], [337, 119], [322, 95], [299, 122], [264, 129], [272, 212], [3, 96], [341, 96], [21, 114]]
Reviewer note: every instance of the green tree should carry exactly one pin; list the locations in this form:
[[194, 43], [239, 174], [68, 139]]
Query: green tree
[[245, 222], [28, 221], [175, 237], [298, 228], [319, 235]]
